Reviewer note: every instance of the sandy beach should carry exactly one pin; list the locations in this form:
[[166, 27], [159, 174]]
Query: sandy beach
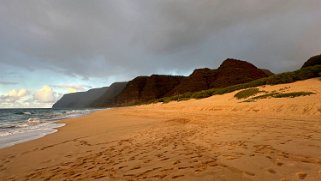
[[217, 138]]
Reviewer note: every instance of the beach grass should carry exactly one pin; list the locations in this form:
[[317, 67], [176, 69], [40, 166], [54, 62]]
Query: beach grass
[[247, 93], [280, 95], [283, 78], [292, 94]]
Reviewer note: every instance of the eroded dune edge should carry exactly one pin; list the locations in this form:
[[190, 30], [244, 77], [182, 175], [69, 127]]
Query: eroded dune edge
[[220, 138]]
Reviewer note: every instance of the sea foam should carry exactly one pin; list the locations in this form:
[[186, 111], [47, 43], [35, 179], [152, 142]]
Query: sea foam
[[20, 125]]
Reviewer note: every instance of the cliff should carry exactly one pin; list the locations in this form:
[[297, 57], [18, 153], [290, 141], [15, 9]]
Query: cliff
[[144, 88], [109, 96], [200, 79], [230, 72], [267, 72], [79, 99], [315, 60]]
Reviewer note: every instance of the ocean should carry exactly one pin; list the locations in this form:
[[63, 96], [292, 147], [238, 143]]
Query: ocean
[[20, 125]]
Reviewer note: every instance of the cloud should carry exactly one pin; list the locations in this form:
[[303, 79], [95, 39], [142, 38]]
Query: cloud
[[134, 37], [14, 96], [116, 40], [17, 93], [45, 95], [4, 82], [72, 88]]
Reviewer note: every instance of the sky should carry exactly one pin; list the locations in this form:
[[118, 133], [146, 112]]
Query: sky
[[52, 47]]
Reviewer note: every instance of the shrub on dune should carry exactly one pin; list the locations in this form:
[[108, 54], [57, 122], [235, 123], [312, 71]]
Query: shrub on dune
[[247, 93], [287, 77]]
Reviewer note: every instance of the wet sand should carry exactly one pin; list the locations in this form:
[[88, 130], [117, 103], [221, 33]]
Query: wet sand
[[218, 138]]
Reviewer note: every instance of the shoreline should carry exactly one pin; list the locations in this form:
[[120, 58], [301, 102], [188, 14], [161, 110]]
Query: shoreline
[[40, 130], [32, 135], [214, 138]]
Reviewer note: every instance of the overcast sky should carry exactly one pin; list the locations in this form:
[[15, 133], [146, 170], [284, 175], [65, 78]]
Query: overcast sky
[[48, 48]]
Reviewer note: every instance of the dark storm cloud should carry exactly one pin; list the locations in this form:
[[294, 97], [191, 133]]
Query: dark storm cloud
[[132, 37]]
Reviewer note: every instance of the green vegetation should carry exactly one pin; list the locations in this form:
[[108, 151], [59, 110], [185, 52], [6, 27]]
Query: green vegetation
[[287, 77], [264, 96], [292, 94], [247, 93], [279, 95]]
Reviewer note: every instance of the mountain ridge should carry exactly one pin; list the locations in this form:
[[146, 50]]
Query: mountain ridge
[[79, 99], [146, 88]]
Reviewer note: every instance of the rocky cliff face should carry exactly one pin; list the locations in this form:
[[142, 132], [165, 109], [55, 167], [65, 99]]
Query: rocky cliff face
[[200, 79], [79, 99], [315, 60], [146, 88], [108, 99], [230, 72], [267, 72]]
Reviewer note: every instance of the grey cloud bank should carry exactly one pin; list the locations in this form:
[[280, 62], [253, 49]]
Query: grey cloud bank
[[136, 37], [4, 82]]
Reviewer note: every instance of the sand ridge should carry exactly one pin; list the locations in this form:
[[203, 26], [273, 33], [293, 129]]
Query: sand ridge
[[218, 138]]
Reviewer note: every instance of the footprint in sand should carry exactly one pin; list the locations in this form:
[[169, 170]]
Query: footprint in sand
[[177, 176], [129, 175], [167, 169], [182, 168], [135, 168], [177, 162], [160, 176], [249, 173], [122, 167], [301, 175], [271, 171], [269, 157]]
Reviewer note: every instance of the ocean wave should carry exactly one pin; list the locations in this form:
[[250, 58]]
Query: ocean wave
[[14, 136], [7, 126], [18, 124], [23, 113], [33, 121], [29, 122]]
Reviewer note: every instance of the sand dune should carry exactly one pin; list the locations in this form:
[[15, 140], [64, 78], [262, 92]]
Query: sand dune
[[218, 138]]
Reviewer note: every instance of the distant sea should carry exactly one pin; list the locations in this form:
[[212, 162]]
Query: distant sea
[[20, 125]]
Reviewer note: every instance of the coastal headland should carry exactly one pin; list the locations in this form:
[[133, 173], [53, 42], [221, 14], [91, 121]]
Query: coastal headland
[[272, 135]]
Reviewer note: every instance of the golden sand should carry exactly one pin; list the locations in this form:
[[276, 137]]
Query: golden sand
[[218, 138]]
